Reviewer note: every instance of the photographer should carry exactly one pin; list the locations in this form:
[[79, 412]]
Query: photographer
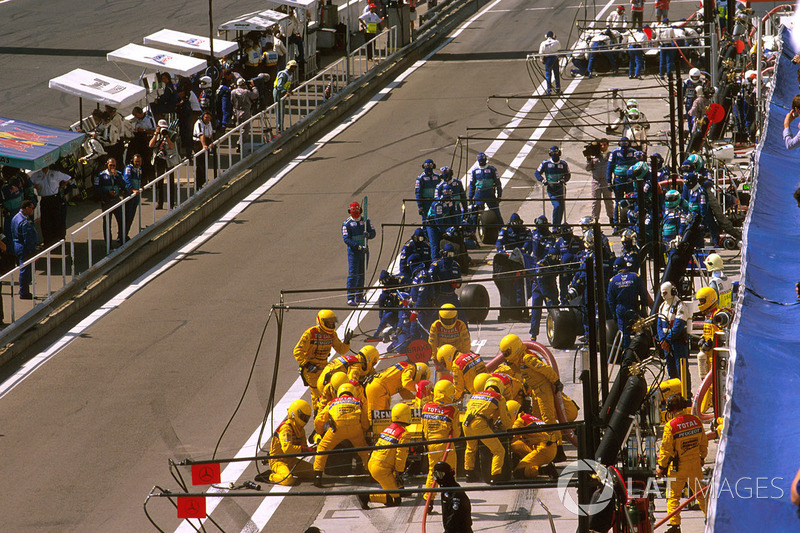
[[596, 154], [165, 156]]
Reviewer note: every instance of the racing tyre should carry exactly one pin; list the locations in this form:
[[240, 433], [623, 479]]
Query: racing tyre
[[488, 227], [562, 328], [475, 296]]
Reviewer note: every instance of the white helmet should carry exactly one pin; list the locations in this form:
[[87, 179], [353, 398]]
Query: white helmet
[[205, 82], [668, 291], [695, 74], [631, 103]]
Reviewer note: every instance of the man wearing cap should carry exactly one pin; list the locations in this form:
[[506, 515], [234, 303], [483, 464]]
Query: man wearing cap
[[370, 22], [242, 99], [355, 232], [550, 45], [282, 87]]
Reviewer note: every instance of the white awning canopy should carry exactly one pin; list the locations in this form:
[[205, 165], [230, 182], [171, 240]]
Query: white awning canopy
[[259, 21], [186, 42], [98, 88], [158, 60], [295, 3]]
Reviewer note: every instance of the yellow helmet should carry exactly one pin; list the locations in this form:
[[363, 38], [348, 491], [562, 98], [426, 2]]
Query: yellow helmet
[[423, 372], [713, 262], [511, 347], [338, 379], [346, 388], [448, 314], [326, 319], [300, 410], [401, 414], [444, 392], [513, 407], [445, 355], [372, 356], [479, 382], [706, 298], [494, 382]]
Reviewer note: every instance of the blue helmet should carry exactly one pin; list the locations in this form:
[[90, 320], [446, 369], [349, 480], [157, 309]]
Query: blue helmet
[[552, 251], [514, 220], [482, 159], [621, 264], [446, 173], [672, 199], [414, 261], [554, 151], [687, 166], [639, 170], [639, 155], [624, 142], [691, 179], [384, 277], [419, 235], [659, 158], [448, 250], [566, 231], [447, 191], [428, 164]]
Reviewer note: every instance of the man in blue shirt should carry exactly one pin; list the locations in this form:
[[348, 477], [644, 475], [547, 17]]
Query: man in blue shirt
[[132, 178], [416, 245], [626, 295], [619, 162], [444, 212], [446, 270], [109, 185], [425, 189], [24, 240], [355, 232], [554, 174]]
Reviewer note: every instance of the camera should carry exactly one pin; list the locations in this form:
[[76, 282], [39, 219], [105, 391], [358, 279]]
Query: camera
[[592, 150]]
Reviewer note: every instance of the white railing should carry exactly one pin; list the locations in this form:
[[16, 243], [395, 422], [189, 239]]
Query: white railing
[[230, 148]]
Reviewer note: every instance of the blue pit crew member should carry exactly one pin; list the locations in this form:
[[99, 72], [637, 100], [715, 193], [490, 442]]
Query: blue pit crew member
[[422, 295], [485, 188], [602, 44], [389, 305], [459, 194], [551, 45], [541, 286], [630, 249], [446, 270], [673, 221], [697, 203], [416, 245], [619, 162], [444, 212], [514, 235], [554, 174], [667, 47], [626, 295], [635, 39], [355, 232], [541, 237], [132, 177], [690, 93], [570, 247], [425, 188], [24, 240]]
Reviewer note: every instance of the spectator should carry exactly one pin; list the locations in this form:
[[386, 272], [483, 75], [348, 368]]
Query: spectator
[[48, 184], [597, 164], [24, 238], [109, 186], [165, 156], [281, 88], [280, 48], [120, 125], [167, 100], [143, 126], [253, 54], [637, 13], [186, 119], [15, 188], [551, 45], [107, 133], [662, 10], [132, 177], [242, 99], [203, 136], [295, 35], [792, 142]]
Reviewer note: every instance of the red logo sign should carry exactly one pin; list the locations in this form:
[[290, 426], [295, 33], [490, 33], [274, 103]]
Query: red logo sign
[[191, 507], [205, 474], [419, 351]]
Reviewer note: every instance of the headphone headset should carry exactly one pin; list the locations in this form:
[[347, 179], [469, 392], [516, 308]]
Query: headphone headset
[[673, 291]]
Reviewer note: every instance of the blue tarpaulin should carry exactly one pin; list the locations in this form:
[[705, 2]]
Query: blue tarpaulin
[[31, 146], [759, 454]]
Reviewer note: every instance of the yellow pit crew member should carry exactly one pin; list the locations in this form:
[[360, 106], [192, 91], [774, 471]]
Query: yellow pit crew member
[[539, 376], [463, 367], [683, 449], [400, 378], [483, 410], [290, 437], [355, 366], [513, 388], [535, 451], [449, 330], [440, 421], [314, 347], [328, 392], [388, 464], [343, 419]]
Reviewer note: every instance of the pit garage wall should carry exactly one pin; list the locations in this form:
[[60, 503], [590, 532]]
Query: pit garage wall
[[759, 452]]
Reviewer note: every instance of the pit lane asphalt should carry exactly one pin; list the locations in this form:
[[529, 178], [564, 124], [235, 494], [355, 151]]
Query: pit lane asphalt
[[88, 435]]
